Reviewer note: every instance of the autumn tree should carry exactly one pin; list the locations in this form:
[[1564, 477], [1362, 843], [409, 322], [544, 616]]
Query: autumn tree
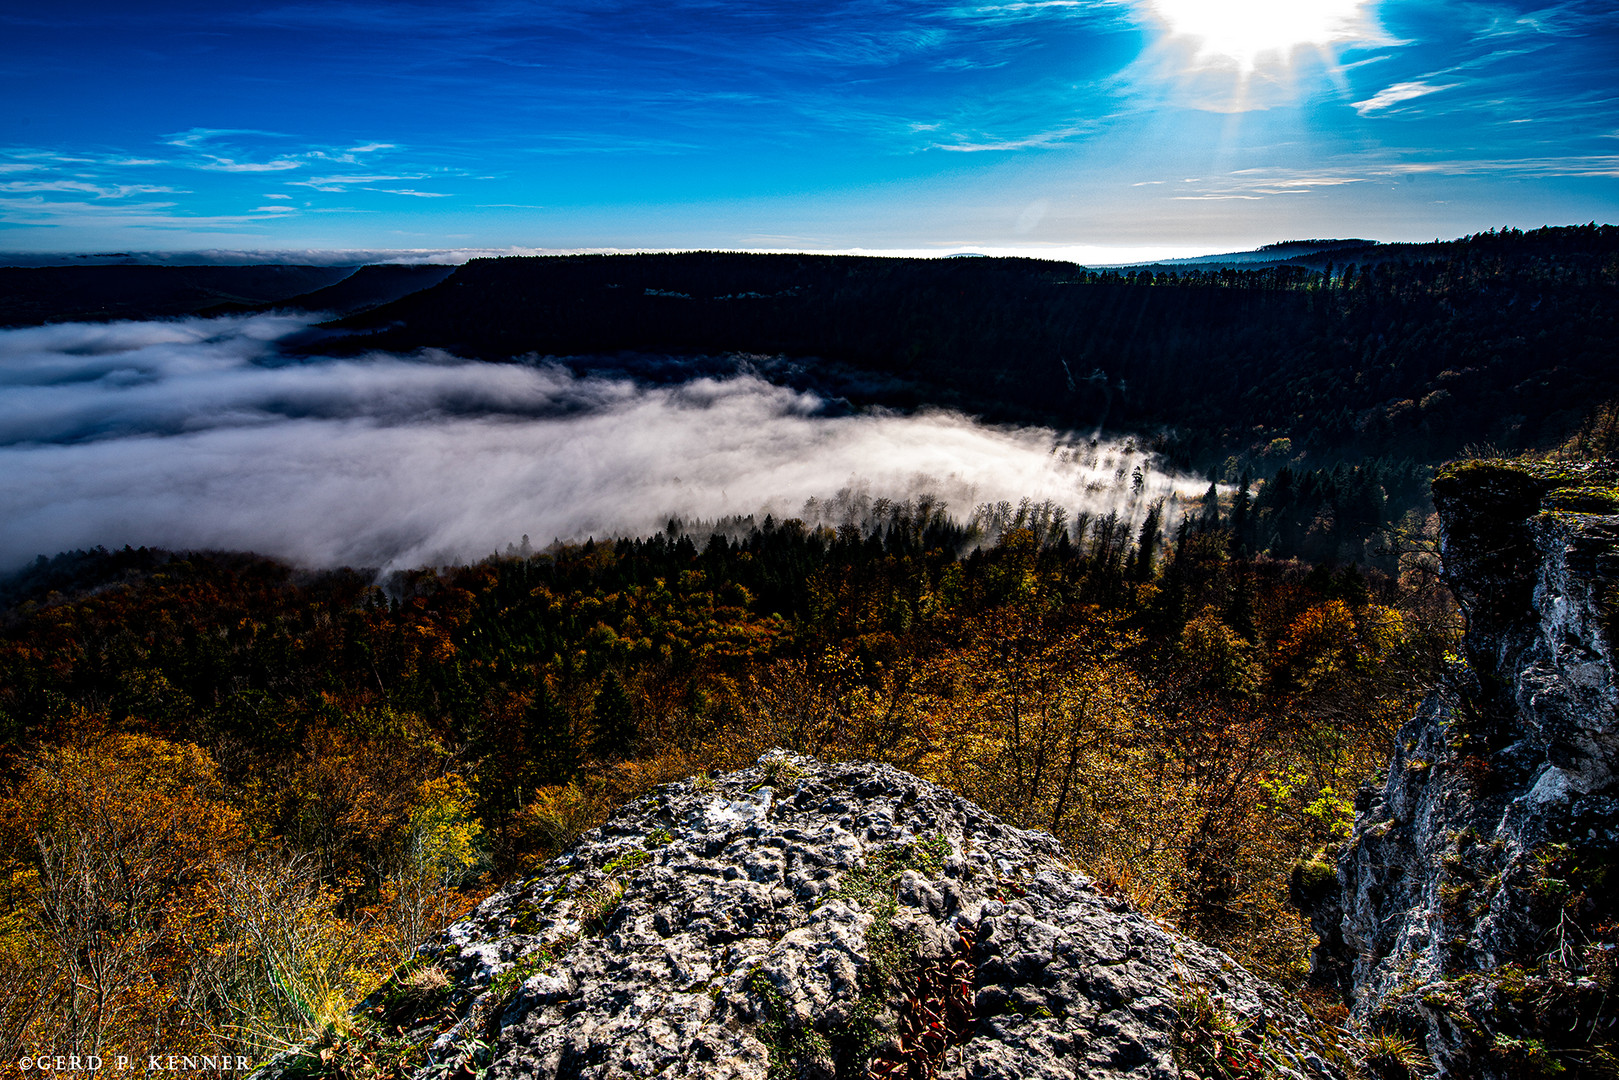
[[104, 841]]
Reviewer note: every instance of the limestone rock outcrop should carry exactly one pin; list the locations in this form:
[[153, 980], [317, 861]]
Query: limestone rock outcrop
[[804, 919], [1474, 908]]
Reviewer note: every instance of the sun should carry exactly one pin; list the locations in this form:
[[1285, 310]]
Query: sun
[[1248, 32]]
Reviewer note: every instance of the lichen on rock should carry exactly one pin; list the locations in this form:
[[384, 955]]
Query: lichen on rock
[[817, 920]]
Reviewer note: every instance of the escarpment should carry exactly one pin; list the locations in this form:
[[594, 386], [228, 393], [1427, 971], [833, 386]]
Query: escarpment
[[1473, 918], [802, 919]]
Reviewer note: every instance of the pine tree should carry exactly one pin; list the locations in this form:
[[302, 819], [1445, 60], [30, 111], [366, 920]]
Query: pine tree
[[1147, 544], [612, 720], [548, 739], [1240, 508]]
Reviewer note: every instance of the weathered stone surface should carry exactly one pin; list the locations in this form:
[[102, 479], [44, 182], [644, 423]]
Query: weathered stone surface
[[1473, 890], [778, 922]]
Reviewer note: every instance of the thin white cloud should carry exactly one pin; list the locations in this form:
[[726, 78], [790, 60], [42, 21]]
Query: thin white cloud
[[38, 211], [1021, 10], [222, 164], [220, 150], [197, 136], [1040, 140], [119, 191], [344, 182], [1390, 96]]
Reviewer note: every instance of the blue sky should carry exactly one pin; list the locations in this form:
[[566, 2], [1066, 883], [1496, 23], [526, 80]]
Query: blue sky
[[1076, 128]]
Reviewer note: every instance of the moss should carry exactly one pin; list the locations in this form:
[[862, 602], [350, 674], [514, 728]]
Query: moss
[[1591, 499], [790, 1046], [1311, 881], [506, 985], [627, 861], [889, 952], [1529, 1055]]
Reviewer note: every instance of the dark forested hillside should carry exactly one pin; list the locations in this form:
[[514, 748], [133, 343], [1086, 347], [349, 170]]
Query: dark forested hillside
[[1416, 351], [30, 295]]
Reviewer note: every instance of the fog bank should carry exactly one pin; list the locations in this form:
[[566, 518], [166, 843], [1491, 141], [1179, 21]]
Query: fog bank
[[201, 433]]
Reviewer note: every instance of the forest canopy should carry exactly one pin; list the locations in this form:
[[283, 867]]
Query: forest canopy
[[319, 768]]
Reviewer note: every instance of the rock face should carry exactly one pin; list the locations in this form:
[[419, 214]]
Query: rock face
[[1474, 910], [801, 919]]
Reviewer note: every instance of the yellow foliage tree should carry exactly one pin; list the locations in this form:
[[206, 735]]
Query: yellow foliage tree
[[104, 842]]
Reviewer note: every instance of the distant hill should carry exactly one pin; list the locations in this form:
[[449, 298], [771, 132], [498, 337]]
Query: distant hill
[[33, 295], [1415, 350], [1276, 254], [368, 287]]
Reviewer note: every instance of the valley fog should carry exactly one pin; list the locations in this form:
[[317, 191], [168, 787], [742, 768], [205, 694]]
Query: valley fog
[[201, 433]]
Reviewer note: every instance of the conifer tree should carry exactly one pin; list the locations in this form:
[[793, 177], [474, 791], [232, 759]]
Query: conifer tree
[[548, 738], [612, 719]]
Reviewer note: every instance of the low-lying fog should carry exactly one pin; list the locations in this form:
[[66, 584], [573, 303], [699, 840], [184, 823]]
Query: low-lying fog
[[201, 433]]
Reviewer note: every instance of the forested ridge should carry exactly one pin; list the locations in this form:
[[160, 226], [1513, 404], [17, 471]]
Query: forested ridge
[[326, 768], [1412, 350]]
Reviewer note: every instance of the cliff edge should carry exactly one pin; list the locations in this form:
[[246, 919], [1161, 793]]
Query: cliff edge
[[1473, 911]]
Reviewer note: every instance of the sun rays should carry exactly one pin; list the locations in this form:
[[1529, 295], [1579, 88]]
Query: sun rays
[[1249, 33]]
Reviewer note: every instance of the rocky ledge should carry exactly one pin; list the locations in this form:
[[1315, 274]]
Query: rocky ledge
[[1472, 919], [804, 919]]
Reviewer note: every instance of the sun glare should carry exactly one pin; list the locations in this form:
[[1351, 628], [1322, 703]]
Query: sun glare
[[1246, 30]]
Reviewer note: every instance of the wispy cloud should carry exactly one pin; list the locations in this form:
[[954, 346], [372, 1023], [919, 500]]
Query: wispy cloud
[[197, 136], [118, 191], [90, 190], [1250, 185], [963, 144], [343, 183], [1584, 166], [37, 211], [1569, 19], [223, 150], [1398, 93], [1024, 10]]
